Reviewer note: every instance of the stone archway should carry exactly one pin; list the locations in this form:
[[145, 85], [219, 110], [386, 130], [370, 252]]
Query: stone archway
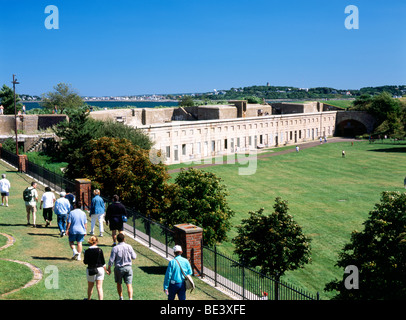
[[353, 123], [350, 128]]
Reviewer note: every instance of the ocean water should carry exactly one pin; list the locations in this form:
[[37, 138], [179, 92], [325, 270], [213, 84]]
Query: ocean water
[[116, 104]]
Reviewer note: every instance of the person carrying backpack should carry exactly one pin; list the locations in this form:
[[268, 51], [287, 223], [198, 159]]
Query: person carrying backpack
[[30, 196]]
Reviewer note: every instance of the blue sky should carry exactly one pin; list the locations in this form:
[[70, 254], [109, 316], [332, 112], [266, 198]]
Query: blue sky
[[129, 47]]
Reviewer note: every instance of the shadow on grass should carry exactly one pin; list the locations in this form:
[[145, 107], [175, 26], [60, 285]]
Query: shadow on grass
[[51, 258], [391, 150], [154, 269]]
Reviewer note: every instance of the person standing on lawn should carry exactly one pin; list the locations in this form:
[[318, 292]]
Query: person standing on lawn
[[121, 257], [114, 217], [62, 208], [47, 203], [97, 210], [4, 189], [76, 230], [174, 281], [31, 197]]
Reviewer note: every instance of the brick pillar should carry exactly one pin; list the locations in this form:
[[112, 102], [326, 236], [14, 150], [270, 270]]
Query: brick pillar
[[83, 189], [22, 162], [189, 237]]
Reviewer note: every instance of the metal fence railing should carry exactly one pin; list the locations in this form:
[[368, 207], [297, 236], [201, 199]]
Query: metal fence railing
[[246, 283]]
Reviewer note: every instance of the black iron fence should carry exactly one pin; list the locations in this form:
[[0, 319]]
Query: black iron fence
[[52, 179], [9, 157], [246, 283]]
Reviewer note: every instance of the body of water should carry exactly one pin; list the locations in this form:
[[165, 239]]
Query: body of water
[[115, 104]]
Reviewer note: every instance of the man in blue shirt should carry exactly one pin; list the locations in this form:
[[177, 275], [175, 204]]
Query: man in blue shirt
[[62, 208], [97, 210], [174, 282], [76, 230]]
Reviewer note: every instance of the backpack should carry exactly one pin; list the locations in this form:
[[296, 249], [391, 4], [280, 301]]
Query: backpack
[[27, 194]]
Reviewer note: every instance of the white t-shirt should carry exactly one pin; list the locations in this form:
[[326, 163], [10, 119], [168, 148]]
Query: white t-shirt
[[48, 199], [4, 185]]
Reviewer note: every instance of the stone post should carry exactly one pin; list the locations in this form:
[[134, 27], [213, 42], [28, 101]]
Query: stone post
[[83, 188], [22, 162], [189, 237]]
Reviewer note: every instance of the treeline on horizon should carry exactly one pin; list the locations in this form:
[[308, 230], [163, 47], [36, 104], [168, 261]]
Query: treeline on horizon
[[280, 92], [283, 92]]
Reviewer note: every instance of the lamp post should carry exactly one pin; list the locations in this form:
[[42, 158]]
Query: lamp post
[[15, 110]]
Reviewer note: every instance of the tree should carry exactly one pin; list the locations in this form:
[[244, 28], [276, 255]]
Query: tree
[[64, 97], [199, 198], [378, 252], [116, 166], [275, 243], [7, 100], [186, 101], [80, 129]]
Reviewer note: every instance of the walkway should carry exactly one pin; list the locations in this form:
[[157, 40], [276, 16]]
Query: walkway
[[37, 274]]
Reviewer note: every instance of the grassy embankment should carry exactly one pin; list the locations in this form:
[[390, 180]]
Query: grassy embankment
[[329, 196]]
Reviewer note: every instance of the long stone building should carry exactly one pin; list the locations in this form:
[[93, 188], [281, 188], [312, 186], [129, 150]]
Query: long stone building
[[197, 133], [193, 134]]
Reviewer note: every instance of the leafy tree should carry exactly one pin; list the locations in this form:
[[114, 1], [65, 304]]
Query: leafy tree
[[80, 129], [186, 101], [117, 166], [7, 100], [275, 243], [379, 253], [64, 97], [199, 198]]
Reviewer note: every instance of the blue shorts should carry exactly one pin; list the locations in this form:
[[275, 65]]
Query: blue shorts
[[76, 237], [5, 194]]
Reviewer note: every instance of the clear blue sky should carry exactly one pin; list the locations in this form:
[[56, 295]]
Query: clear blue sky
[[175, 46]]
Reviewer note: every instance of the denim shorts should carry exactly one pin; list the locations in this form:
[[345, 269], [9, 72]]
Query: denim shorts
[[76, 237]]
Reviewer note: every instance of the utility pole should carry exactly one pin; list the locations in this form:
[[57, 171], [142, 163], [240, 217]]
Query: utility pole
[[15, 110]]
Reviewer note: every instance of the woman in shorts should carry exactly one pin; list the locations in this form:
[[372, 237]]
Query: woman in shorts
[[94, 258]]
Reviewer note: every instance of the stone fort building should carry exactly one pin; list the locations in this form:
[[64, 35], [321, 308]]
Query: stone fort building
[[185, 134]]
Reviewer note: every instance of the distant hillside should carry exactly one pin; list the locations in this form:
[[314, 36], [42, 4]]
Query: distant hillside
[[273, 92]]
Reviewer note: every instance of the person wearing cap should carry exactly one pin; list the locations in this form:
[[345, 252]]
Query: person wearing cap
[[174, 282], [61, 208]]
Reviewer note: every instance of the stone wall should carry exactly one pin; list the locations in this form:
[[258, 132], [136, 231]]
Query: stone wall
[[29, 124]]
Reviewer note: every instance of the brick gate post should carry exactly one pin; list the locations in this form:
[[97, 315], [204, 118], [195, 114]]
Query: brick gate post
[[22, 162], [189, 237], [83, 188]]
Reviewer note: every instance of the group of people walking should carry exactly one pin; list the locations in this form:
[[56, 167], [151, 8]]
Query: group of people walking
[[72, 222]]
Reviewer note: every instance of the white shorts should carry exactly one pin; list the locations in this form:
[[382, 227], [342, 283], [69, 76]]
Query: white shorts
[[98, 276]]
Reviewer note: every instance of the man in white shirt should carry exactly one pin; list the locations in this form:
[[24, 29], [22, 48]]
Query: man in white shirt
[[47, 202], [4, 189]]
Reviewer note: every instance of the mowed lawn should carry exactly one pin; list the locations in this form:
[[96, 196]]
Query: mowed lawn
[[328, 195], [63, 278]]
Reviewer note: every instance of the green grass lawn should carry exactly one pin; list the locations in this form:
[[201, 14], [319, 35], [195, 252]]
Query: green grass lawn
[[329, 196], [44, 248]]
